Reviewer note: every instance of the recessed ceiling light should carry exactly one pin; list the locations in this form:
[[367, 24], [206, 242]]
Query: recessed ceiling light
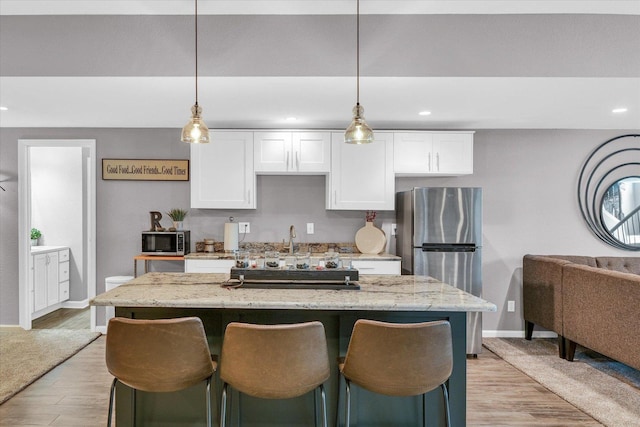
[[290, 119], [3, 108], [619, 110], [425, 113]]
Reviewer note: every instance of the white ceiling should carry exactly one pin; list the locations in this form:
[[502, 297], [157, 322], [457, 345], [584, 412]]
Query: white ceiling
[[548, 100]]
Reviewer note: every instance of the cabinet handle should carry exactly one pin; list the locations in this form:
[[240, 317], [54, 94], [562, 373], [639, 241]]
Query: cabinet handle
[[438, 162], [335, 197], [429, 162], [248, 197], [288, 160], [297, 160]]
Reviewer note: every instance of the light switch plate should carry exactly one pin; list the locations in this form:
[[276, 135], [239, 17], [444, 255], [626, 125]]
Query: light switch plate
[[309, 228]]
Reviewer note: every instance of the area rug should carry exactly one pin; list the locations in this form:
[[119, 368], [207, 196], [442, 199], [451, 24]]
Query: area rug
[[607, 390], [25, 356]]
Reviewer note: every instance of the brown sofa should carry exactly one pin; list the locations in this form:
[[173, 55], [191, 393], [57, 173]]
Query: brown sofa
[[591, 301]]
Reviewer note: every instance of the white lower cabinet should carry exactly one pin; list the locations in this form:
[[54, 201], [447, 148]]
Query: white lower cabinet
[[222, 175], [208, 265], [377, 267], [362, 176], [49, 280]]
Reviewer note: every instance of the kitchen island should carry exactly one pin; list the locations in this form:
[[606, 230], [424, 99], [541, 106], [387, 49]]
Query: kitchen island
[[386, 298]]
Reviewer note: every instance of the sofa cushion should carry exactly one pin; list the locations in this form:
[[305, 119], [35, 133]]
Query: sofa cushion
[[577, 259], [622, 264]]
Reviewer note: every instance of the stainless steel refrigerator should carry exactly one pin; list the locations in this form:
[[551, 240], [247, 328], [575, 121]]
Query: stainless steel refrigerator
[[439, 234]]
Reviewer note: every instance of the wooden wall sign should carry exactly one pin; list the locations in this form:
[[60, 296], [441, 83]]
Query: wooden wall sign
[[145, 169]]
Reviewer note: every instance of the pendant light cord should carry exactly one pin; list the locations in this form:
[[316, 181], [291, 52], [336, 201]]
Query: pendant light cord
[[358, 52], [196, 27]]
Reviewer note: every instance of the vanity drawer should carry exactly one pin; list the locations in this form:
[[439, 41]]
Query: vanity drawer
[[63, 255], [63, 291], [63, 271]]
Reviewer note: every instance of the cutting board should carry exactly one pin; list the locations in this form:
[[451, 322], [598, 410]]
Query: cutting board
[[370, 239]]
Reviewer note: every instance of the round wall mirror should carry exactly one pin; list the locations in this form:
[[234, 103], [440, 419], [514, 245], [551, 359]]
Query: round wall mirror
[[609, 192], [620, 211]]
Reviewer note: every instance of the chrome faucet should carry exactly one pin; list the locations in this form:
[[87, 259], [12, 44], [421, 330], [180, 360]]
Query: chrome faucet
[[292, 235]]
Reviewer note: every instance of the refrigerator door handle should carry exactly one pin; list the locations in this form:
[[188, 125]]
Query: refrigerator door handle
[[448, 247]]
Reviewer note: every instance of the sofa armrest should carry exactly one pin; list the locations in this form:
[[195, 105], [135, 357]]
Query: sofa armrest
[[601, 311], [542, 291]]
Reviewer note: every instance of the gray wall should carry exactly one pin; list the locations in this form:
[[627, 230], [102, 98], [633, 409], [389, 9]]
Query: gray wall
[[528, 176]]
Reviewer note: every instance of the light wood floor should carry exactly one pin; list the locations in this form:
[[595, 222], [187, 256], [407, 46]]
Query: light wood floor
[[64, 318], [76, 394]]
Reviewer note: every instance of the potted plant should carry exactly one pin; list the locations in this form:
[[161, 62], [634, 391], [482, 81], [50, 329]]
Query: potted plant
[[177, 215], [35, 235]]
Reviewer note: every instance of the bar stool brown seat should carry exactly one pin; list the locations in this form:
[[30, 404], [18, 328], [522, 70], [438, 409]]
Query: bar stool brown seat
[[398, 360], [274, 362], [162, 355]]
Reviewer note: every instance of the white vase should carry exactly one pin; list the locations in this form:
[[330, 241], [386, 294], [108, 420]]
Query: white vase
[[178, 225], [34, 242]]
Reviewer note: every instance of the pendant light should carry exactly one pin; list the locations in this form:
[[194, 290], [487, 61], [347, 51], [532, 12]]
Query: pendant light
[[358, 131], [195, 132]]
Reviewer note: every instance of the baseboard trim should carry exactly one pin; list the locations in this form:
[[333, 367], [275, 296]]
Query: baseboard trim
[[76, 304], [517, 334], [101, 329]]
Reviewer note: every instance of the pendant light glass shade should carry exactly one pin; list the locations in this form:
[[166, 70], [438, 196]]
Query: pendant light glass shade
[[358, 131], [195, 132]]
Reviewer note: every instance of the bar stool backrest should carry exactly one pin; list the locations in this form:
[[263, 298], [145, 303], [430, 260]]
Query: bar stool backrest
[[399, 359], [274, 361], [158, 355]]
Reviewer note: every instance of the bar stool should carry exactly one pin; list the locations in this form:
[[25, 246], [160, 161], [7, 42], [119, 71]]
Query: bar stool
[[158, 356], [398, 360], [274, 362]]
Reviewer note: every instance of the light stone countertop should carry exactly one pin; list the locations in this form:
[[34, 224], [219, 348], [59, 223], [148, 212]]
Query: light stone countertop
[[354, 256], [204, 290], [43, 249]]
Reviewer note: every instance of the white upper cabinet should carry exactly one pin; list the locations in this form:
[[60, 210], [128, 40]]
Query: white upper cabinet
[[292, 152], [433, 153], [362, 176], [222, 175]]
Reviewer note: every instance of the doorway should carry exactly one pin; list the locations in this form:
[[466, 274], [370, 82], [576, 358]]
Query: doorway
[[67, 204]]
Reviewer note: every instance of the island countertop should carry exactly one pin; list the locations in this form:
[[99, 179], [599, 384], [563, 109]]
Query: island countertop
[[205, 290]]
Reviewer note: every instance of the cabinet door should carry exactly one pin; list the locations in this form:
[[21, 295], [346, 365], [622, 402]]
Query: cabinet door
[[361, 176], [453, 153], [311, 152], [39, 281], [208, 265], [222, 174], [377, 267], [53, 281], [292, 152], [272, 152], [412, 153]]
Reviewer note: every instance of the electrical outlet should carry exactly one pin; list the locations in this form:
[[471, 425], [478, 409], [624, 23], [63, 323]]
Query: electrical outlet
[[511, 306], [244, 227], [309, 228], [393, 229]]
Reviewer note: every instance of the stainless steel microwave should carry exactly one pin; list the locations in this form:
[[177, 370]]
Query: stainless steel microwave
[[166, 242]]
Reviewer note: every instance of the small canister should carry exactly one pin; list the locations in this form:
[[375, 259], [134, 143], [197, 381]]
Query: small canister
[[208, 245], [331, 260], [302, 261], [242, 259], [272, 259]]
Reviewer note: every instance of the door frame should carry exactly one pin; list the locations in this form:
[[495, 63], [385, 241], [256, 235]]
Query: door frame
[[24, 220]]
